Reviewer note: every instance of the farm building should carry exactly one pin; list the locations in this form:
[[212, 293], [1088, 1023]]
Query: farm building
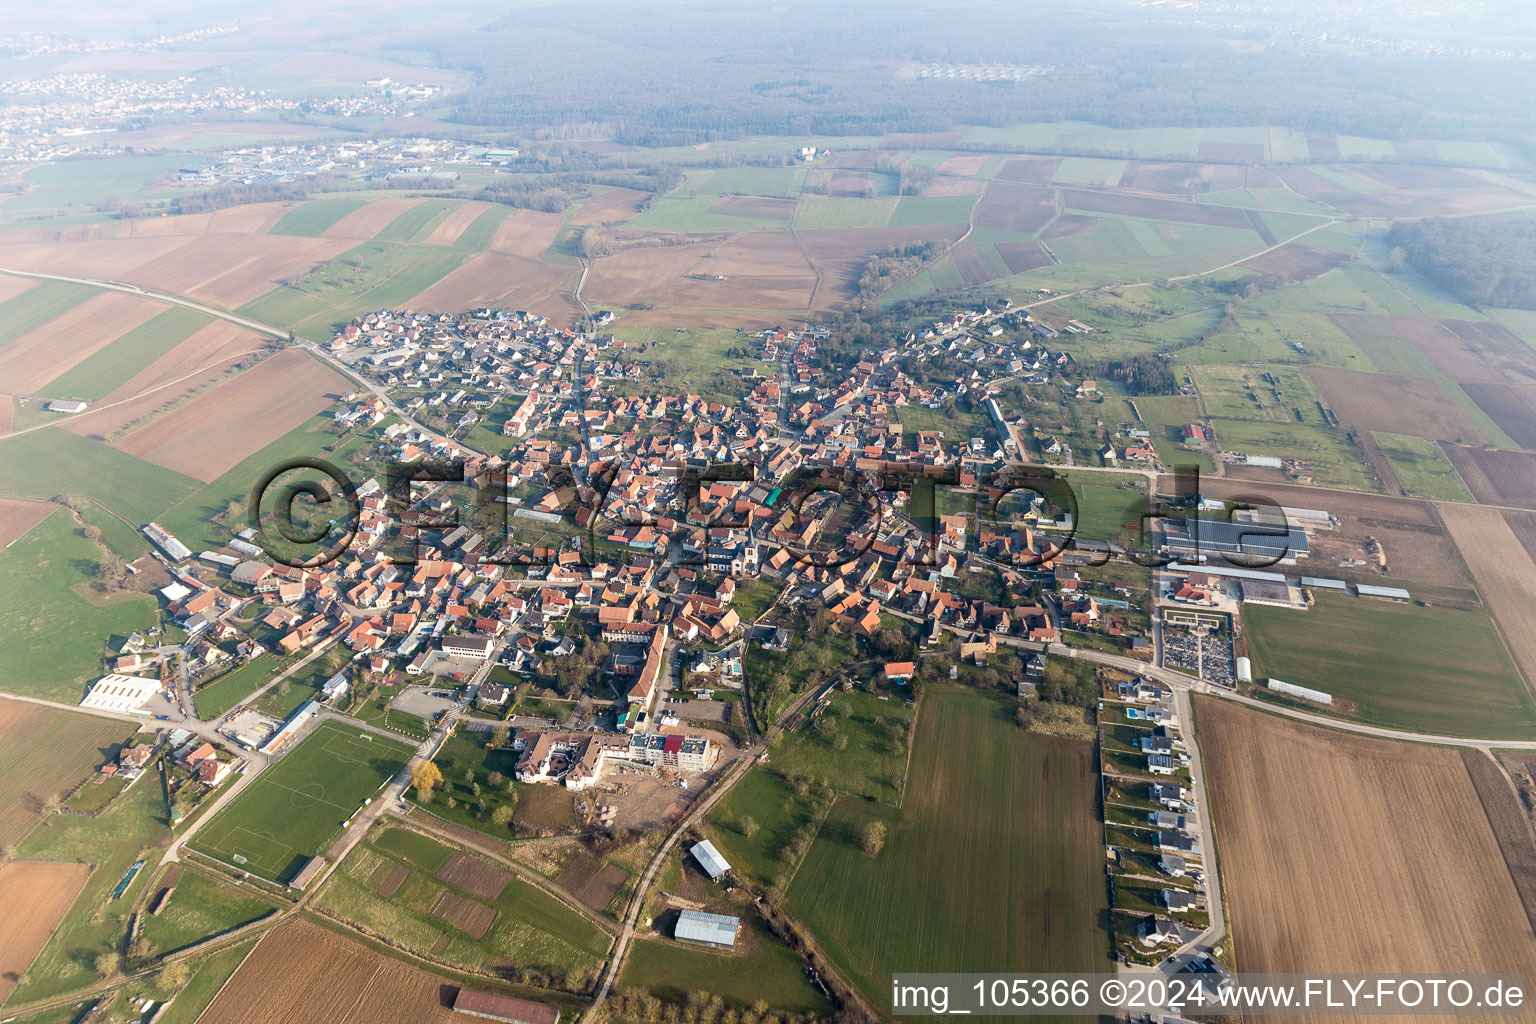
[[714, 865], [1389, 593], [504, 1008], [307, 873], [163, 540], [708, 929], [1304, 692], [123, 694], [66, 407]]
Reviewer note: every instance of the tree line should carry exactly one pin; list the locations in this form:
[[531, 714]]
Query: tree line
[[1483, 261]]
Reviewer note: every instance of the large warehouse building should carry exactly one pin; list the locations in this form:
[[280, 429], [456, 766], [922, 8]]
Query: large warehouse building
[[120, 693], [710, 929]]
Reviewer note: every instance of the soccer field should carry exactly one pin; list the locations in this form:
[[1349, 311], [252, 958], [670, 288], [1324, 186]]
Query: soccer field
[[295, 808]]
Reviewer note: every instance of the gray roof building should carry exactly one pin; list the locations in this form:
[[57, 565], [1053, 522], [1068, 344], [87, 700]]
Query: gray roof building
[[710, 860], [709, 929]]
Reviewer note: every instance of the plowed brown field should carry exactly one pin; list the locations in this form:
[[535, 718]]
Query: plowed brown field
[[526, 233], [215, 431], [17, 517], [1495, 476], [301, 973], [367, 221], [35, 895], [493, 279], [1505, 575], [1345, 853], [1399, 405], [761, 270], [230, 270], [475, 875]]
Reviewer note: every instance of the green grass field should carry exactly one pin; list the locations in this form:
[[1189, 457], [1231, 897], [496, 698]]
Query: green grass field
[[531, 928], [1422, 468], [416, 223], [994, 858], [774, 182], [857, 746], [843, 213], [312, 218], [52, 628], [120, 361], [293, 809], [38, 305], [1104, 504], [199, 909], [1087, 170], [375, 275], [46, 463], [217, 697], [778, 811], [762, 967], [685, 212], [132, 829], [1435, 670], [73, 187], [914, 211]]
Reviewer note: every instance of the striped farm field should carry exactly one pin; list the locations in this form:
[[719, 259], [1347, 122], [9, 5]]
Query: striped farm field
[[35, 358], [314, 217], [102, 371], [25, 309], [216, 430]]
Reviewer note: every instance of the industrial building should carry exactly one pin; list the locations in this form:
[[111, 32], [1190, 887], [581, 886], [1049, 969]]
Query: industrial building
[[1197, 539], [123, 694], [707, 929]]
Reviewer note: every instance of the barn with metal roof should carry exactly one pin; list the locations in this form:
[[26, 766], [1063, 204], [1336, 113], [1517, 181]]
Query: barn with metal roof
[[709, 929], [710, 860]]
